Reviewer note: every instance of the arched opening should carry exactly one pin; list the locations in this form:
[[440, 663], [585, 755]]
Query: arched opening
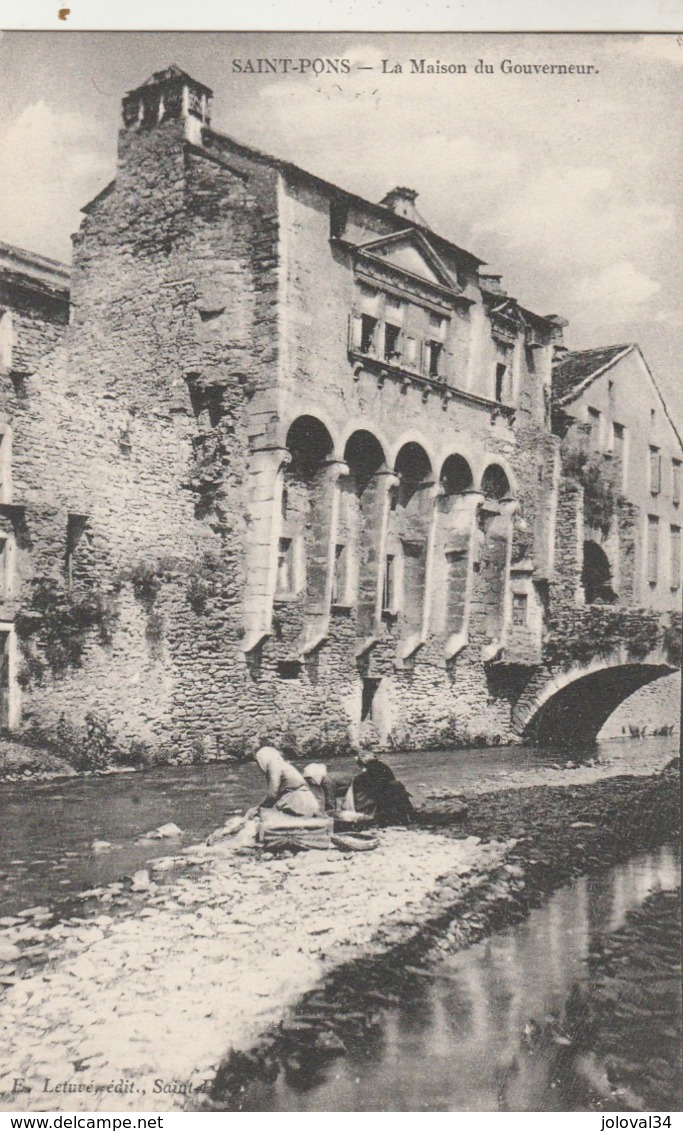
[[577, 712], [456, 475], [365, 457], [356, 573], [596, 575], [309, 444], [494, 483], [305, 514]]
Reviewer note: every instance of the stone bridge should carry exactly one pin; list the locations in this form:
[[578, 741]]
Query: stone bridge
[[570, 705]]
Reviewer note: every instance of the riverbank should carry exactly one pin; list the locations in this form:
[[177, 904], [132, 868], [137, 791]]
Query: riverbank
[[214, 960]]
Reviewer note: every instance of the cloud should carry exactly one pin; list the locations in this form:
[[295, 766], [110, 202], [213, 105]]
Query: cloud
[[49, 166], [615, 294]]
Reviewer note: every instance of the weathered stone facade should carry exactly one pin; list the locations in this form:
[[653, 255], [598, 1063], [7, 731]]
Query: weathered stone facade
[[289, 468]]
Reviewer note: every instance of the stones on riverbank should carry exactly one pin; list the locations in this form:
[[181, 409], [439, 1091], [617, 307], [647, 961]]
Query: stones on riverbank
[[229, 949], [542, 852], [164, 832], [224, 951]]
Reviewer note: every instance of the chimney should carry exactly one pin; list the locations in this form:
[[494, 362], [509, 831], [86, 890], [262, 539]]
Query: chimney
[[559, 325], [402, 202], [169, 95], [492, 282]]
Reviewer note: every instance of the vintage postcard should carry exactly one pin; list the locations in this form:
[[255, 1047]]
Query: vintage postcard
[[340, 572]]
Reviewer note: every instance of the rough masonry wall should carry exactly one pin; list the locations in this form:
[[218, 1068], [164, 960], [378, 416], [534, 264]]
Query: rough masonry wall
[[140, 427], [422, 700], [654, 706]]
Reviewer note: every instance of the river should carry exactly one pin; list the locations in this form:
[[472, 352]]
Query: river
[[486, 1029], [49, 827]]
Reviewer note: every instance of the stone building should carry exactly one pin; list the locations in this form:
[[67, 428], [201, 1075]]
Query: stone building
[[288, 466], [609, 409]]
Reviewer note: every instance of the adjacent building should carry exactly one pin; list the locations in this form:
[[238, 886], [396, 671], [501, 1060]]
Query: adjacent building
[[615, 413], [277, 459]]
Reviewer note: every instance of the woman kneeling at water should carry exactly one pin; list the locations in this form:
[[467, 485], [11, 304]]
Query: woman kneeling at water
[[375, 792], [287, 790]]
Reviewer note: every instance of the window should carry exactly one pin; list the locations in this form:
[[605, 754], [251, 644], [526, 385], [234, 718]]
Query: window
[[433, 357], [619, 450], [519, 609], [655, 470], [392, 342], [653, 417], [595, 422], [652, 549], [676, 482], [284, 503], [285, 563], [367, 334], [289, 669], [501, 374], [339, 587], [389, 588], [6, 340], [675, 557]]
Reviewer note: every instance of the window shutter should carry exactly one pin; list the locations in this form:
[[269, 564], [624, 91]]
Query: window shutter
[[355, 331]]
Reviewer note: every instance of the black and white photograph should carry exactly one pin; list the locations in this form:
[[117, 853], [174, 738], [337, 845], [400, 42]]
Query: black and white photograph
[[340, 572]]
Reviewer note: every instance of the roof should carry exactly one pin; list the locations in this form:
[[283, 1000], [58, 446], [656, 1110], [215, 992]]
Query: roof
[[170, 74], [35, 272], [578, 369], [289, 168]]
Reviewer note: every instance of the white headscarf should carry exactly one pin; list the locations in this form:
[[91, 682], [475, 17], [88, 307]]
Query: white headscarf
[[315, 772], [268, 758]]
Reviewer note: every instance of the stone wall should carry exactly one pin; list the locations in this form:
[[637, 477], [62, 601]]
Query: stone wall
[[199, 452], [652, 707]]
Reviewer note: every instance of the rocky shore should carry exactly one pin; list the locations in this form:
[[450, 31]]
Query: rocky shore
[[176, 1001]]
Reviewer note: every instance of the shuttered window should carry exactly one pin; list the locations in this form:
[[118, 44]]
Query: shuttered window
[[652, 549]]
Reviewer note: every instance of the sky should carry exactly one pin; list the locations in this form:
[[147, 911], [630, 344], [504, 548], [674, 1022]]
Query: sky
[[569, 185]]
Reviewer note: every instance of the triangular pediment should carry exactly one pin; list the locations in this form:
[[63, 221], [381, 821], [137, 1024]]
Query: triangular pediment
[[410, 253], [508, 310]]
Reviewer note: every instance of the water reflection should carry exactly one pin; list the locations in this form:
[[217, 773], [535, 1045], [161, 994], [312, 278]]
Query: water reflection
[[485, 1031]]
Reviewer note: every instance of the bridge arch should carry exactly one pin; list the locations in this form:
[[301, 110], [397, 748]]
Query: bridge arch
[[571, 707]]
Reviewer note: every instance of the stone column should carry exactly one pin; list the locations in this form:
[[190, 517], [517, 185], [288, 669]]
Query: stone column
[[461, 537], [322, 555], [409, 645], [374, 519], [501, 529], [264, 488]]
